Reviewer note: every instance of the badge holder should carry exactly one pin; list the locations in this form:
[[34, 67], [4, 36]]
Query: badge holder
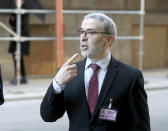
[[108, 113]]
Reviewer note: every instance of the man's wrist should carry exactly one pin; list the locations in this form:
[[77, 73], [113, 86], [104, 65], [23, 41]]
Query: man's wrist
[[57, 82], [58, 88]]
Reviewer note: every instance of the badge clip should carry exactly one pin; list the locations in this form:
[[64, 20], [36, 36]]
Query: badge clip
[[111, 103]]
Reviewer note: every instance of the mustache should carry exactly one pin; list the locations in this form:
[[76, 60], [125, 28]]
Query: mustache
[[83, 43]]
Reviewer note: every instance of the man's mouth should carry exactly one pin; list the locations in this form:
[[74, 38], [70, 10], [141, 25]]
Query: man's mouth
[[84, 47]]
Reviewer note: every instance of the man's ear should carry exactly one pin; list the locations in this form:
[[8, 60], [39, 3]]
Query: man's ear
[[109, 41]]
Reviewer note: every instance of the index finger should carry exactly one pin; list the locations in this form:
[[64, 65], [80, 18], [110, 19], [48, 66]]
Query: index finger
[[71, 60]]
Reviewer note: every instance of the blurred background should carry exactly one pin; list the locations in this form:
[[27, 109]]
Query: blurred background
[[23, 101]]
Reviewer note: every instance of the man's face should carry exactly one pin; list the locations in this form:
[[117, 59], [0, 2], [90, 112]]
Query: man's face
[[94, 46]]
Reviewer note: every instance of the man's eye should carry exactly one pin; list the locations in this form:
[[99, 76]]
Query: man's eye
[[89, 32]]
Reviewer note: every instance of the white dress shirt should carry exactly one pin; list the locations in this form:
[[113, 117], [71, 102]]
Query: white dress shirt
[[103, 63]]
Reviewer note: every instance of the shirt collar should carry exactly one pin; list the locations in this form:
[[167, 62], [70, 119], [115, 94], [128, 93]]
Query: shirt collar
[[103, 63]]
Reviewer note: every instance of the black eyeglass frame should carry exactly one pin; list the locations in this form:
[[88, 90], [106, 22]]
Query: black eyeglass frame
[[91, 32]]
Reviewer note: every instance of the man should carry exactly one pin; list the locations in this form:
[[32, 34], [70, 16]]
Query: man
[[1, 90], [98, 93], [24, 45]]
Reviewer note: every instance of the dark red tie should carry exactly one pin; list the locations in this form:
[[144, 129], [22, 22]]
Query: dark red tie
[[93, 88]]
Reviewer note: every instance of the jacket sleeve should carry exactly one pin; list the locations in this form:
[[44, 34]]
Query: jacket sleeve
[[1, 90], [52, 105], [138, 105]]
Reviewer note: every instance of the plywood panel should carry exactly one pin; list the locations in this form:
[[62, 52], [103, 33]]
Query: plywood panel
[[41, 59], [155, 47]]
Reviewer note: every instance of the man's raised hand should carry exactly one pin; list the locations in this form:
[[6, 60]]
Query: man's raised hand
[[67, 71]]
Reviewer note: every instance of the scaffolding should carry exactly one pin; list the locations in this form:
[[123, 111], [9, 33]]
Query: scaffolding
[[18, 38]]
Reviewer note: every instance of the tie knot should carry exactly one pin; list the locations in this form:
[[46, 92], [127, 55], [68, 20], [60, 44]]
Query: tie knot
[[95, 67]]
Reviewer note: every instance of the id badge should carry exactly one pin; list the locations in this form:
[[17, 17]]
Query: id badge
[[108, 114]]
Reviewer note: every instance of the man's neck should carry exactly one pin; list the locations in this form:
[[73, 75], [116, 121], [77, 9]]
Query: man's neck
[[99, 58]]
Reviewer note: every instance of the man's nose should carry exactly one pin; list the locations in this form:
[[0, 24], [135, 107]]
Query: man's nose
[[84, 37]]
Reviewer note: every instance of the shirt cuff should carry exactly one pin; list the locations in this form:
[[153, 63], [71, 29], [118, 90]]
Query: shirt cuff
[[57, 88]]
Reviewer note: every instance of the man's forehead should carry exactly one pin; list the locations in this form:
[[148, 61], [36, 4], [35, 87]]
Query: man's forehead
[[91, 24]]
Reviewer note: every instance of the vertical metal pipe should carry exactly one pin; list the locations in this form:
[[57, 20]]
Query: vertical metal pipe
[[18, 46], [141, 33], [59, 32], [141, 43]]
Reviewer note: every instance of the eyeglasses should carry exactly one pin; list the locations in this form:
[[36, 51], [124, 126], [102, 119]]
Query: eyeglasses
[[89, 34]]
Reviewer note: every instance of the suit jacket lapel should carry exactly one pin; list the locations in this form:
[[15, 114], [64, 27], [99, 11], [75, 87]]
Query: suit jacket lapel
[[109, 78], [80, 71], [83, 99]]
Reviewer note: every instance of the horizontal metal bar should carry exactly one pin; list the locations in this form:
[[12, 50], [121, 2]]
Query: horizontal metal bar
[[118, 12], [78, 38], [27, 39], [44, 38], [23, 11], [130, 38], [39, 11], [71, 38], [8, 11], [118, 38], [41, 38], [7, 38]]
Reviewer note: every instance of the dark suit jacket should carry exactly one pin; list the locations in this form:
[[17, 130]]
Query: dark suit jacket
[[1, 90], [123, 83]]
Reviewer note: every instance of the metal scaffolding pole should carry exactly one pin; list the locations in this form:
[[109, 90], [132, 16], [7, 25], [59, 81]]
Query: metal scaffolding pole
[[44, 38], [59, 33], [141, 32], [8, 29], [18, 46], [33, 11]]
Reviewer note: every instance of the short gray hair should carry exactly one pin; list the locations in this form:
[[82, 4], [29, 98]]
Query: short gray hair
[[108, 23]]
